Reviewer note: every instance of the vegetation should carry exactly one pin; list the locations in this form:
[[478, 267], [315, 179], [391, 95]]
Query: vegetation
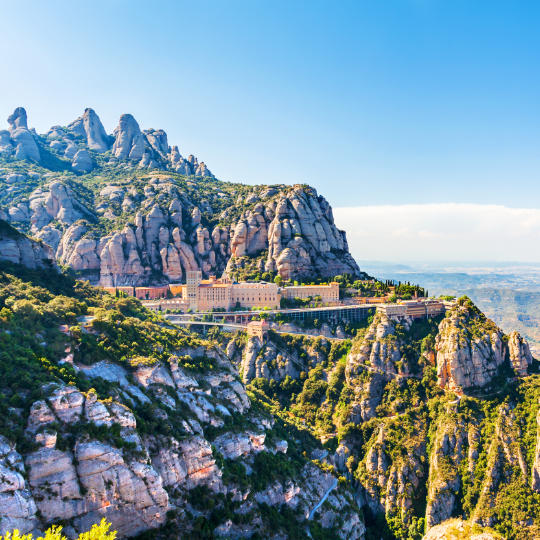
[[97, 532]]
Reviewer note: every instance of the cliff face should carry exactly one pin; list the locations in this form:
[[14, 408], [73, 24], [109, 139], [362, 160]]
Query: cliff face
[[473, 354], [419, 454], [19, 249], [134, 212]]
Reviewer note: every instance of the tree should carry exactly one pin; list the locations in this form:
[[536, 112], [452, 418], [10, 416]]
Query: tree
[[97, 532]]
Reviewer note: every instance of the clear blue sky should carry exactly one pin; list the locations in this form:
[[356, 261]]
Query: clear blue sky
[[398, 101]]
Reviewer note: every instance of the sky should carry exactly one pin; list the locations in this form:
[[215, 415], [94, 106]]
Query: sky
[[390, 106]]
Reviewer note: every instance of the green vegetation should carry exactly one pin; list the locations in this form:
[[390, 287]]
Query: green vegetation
[[97, 532]]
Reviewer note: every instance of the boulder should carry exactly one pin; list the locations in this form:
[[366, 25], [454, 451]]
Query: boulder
[[82, 162]]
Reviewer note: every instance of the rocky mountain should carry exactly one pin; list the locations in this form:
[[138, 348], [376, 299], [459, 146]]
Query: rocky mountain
[[412, 427], [127, 209], [386, 428], [430, 420]]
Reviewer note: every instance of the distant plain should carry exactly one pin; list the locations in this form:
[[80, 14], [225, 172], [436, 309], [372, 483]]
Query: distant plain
[[509, 293]]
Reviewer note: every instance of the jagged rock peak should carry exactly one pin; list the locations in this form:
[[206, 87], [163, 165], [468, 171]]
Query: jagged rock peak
[[19, 140], [90, 127], [472, 351], [129, 141], [18, 119]]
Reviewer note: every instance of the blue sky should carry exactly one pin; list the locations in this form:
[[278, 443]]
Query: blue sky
[[394, 102]]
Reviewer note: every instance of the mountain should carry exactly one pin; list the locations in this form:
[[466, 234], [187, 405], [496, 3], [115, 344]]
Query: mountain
[[383, 428], [430, 420], [128, 209], [106, 410]]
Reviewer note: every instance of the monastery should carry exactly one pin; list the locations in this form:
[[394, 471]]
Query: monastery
[[199, 294]]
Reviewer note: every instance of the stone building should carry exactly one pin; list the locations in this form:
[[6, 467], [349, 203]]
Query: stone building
[[257, 329], [328, 293]]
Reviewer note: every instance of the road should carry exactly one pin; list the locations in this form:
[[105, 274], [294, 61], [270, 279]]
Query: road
[[179, 320]]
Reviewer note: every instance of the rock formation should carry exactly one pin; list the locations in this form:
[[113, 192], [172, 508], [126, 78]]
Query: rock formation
[[276, 229], [82, 162], [520, 354], [70, 475], [129, 141], [17, 248], [89, 127], [19, 141], [471, 351], [158, 245]]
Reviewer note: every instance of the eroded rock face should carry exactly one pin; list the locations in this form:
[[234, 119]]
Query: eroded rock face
[[444, 481], [17, 248], [160, 242], [17, 506], [470, 351], [520, 354], [129, 141], [82, 162], [19, 140], [90, 127], [299, 233]]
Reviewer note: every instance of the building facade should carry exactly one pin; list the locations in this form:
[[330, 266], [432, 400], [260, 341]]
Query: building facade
[[328, 293], [257, 329], [413, 308]]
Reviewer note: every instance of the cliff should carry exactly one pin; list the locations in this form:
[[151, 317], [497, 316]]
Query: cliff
[[19, 249], [430, 419], [127, 209]]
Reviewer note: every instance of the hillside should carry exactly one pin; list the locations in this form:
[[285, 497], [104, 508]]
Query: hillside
[[128, 209], [108, 411], [128, 418], [426, 418], [507, 293]]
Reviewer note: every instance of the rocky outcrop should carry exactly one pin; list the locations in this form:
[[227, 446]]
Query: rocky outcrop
[[82, 162], [89, 127], [17, 506], [444, 482], [19, 141], [298, 231], [374, 360], [520, 354], [129, 141], [19, 249], [471, 351], [53, 202], [160, 245]]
